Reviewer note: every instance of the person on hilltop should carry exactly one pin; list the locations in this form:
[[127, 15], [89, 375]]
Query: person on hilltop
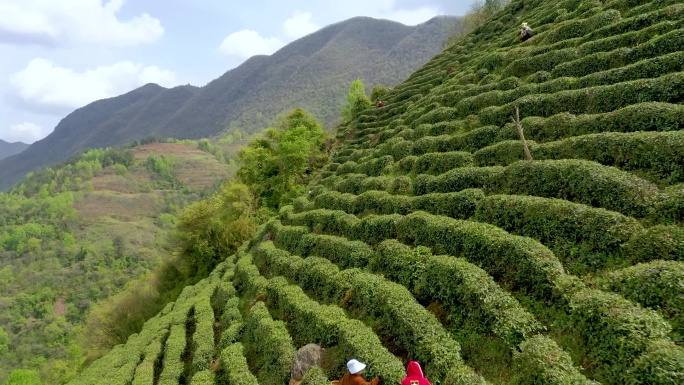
[[414, 375], [525, 32], [379, 103], [353, 375]]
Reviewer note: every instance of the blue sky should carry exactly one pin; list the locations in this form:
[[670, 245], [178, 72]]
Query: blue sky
[[58, 55]]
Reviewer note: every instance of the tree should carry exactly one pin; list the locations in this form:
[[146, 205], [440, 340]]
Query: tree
[[24, 377], [357, 100], [480, 11], [277, 166]]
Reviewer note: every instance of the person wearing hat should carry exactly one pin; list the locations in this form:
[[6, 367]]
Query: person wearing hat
[[414, 375], [525, 32], [353, 375]]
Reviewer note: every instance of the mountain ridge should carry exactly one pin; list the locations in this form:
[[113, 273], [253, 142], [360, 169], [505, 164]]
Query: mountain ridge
[[11, 148], [248, 97]]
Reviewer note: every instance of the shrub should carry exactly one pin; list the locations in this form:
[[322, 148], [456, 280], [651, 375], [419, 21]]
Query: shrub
[[203, 338], [438, 163], [268, 346], [580, 181], [614, 331], [315, 376], [660, 154], [597, 99], [581, 234], [173, 350], [540, 361], [669, 209], [458, 205], [234, 369], [328, 326], [663, 363], [406, 322], [657, 242], [516, 262], [457, 180], [649, 116], [658, 285], [205, 377]]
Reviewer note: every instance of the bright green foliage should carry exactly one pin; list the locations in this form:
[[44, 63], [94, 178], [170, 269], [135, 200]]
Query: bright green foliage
[[210, 229], [269, 346], [658, 285], [234, 368], [315, 376], [542, 361], [277, 166], [357, 100], [205, 377], [24, 377]]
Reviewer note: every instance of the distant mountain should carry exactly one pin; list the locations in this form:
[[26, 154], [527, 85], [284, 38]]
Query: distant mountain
[[313, 72], [9, 149]]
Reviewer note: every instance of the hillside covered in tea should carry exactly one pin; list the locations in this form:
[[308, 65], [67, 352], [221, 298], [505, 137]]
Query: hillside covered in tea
[[431, 237]]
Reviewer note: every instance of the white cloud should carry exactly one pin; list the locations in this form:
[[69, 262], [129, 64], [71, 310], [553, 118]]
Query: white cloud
[[43, 84], [246, 43], [51, 22], [25, 132], [299, 25]]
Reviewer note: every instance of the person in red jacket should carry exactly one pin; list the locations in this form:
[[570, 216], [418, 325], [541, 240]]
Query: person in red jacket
[[379, 103], [414, 375]]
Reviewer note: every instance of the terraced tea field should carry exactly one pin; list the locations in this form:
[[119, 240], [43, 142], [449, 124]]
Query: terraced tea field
[[431, 238]]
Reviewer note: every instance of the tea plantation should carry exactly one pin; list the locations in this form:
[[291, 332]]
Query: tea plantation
[[430, 237]]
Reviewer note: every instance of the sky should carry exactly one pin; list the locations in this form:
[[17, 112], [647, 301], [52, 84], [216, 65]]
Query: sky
[[59, 55]]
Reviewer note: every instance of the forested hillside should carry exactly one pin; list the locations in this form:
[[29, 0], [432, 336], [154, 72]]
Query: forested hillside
[[76, 233], [311, 72], [432, 235]]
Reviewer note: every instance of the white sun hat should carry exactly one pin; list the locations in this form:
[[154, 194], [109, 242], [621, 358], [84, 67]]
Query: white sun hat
[[355, 366]]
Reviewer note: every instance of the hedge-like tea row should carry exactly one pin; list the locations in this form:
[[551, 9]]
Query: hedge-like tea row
[[234, 369], [315, 376], [390, 306], [513, 261], [144, 373], [268, 346], [614, 331], [660, 154], [328, 326], [604, 61], [467, 292], [173, 350], [540, 358], [657, 242], [521, 263], [247, 280], [205, 377], [580, 234], [203, 338], [667, 88], [574, 180], [460, 205], [580, 27], [648, 116], [669, 209], [658, 285]]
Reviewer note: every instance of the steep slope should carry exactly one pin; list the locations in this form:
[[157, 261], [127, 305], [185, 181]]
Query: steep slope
[[9, 149], [76, 234], [429, 238], [313, 72]]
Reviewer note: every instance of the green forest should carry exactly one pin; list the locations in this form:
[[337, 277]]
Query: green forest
[[75, 234]]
